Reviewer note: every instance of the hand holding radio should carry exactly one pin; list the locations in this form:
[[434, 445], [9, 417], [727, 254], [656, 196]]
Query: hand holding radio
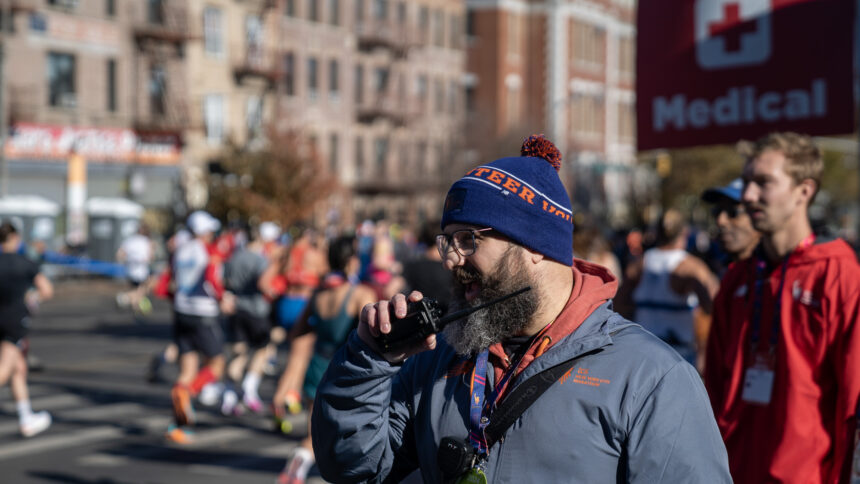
[[413, 326], [378, 320]]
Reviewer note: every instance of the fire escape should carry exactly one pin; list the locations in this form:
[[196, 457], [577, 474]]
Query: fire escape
[[160, 76], [386, 102]]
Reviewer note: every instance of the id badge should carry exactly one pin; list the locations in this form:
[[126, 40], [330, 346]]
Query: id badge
[[758, 384], [474, 476]]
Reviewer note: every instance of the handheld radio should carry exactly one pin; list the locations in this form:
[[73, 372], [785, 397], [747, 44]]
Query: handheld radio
[[424, 318]]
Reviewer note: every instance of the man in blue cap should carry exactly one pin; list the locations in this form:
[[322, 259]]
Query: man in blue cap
[[735, 230], [468, 406]]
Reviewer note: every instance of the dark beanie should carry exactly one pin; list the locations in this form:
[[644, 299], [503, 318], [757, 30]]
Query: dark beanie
[[521, 197]]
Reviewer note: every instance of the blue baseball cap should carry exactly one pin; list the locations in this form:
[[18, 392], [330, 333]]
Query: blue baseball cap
[[732, 191]]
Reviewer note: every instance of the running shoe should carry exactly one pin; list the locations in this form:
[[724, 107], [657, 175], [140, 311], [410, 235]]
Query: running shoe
[[35, 424], [296, 470], [253, 403], [210, 394], [294, 402], [182, 408], [145, 305], [179, 435]]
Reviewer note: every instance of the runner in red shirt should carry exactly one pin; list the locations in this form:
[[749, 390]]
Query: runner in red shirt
[[783, 358]]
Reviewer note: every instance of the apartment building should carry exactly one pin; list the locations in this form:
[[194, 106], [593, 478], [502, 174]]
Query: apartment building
[[150, 92], [376, 85], [564, 68], [91, 77]]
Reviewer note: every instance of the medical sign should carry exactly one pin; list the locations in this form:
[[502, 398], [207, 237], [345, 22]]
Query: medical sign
[[717, 71]]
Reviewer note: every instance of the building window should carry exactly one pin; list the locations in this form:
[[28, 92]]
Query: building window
[[359, 83], [254, 117], [213, 42], [438, 28], [380, 9], [290, 8], [334, 12], [514, 33], [313, 10], [214, 113], [438, 95], [452, 97], [421, 91], [470, 23], [157, 90], [359, 158], [589, 43], [380, 154], [455, 33], [359, 11], [626, 122], [423, 23], [588, 114], [333, 78], [155, 11], [290, 74], [626, 57], [513, 107], [313, 77], [333, 152], [469, 93], [380, 80], [110, 8], [61, 80], [111, 85], [401, 13], [254, 41], [421, 157]]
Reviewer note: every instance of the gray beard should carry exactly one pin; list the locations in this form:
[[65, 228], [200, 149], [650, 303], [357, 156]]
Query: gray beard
[[494, 324]]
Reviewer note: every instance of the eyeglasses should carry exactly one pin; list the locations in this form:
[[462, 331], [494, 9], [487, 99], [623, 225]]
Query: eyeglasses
[[462, 240], [731, 210]]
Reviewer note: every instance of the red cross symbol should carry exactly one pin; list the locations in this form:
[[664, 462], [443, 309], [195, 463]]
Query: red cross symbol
[[731, 26]]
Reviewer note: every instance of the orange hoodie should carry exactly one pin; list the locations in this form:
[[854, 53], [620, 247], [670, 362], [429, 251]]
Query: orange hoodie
[[593, 285]]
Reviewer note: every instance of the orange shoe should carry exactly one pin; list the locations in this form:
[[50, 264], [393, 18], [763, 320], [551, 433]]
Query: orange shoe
[[179, 435], [182, 408], [294, 402]]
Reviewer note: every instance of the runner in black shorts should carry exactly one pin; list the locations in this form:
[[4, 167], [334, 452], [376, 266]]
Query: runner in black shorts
[[248, 309], [17, 275]]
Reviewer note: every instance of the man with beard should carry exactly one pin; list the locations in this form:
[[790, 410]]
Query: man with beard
[[628, 409], [737, 236], [783, 358]]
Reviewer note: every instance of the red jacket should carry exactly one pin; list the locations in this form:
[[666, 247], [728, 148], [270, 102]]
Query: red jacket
[[805, 434]]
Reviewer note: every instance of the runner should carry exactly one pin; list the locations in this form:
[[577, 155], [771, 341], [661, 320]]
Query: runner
[[248, 312], [136, 252], [322, 329], [17, 276], [196, 328]]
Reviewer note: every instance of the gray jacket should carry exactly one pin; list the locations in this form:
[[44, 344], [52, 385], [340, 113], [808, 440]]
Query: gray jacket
[[631, 410]]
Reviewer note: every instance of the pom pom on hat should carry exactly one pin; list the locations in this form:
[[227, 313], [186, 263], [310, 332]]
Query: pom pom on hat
[[538, 146]]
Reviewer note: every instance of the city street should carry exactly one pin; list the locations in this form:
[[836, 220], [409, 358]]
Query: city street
[[109, 423]]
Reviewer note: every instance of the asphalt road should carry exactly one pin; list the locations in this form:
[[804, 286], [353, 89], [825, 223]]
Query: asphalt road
[[109, 423]]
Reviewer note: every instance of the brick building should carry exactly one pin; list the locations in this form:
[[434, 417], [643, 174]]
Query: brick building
[[564, 68]]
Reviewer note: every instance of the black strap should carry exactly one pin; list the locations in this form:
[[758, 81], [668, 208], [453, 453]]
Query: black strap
[[521, 398]]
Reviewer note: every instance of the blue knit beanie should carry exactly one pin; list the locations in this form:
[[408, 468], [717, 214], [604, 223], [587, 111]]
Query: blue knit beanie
[[521, 197]]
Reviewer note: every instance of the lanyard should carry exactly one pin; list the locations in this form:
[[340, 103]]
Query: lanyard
[[761, 265], [480, 410]]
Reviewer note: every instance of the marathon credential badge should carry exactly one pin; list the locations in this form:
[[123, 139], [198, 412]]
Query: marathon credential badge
[[758, 382]]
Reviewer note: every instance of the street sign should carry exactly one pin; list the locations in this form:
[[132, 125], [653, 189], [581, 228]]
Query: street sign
[[717, 71]]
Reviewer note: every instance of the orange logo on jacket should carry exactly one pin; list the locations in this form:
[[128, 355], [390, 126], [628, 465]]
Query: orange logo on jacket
[[582, 377]]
